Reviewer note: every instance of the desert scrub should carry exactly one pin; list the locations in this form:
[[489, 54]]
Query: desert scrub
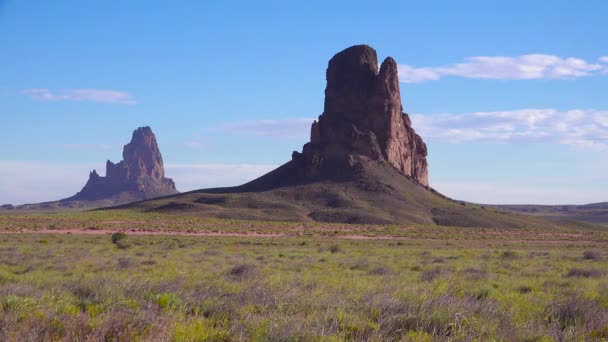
[[80, 287], [120, 240], [117, 237]]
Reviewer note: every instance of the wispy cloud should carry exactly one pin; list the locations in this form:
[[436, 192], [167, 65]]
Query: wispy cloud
[[287, 128], [604, 60], [525, 67], [586, 128], [193, 144], [91, 95]]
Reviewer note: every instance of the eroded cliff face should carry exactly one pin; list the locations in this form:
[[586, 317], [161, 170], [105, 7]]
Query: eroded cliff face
[[140, 175], [363, 117]]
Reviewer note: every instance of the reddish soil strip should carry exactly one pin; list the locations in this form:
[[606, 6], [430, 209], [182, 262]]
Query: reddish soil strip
[[86, 231], [138, 232]]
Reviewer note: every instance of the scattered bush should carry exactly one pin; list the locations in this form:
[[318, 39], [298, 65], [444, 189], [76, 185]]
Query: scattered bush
[[479, 294], [335, 249], [508, 255], [475, 273], [524, 289], [242, 272], [430, 275], [536, 254], [380, 271], [117, 237], [123, 244], [124, 263], [592, 255], [578, 313], [585, 273]]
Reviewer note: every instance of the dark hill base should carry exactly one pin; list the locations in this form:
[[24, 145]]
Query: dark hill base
[[375, 193], [71, 204]]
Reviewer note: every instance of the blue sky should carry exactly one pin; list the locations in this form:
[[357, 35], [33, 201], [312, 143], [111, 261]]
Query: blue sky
[[510, 96]]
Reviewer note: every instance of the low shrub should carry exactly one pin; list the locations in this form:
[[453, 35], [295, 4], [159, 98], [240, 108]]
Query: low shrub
[[430, 275], [380, 271], [592, 255], [524, 289], [123, 244], [117, 237], [242, 272], [508, 255], [475, 273], [578, 313], [584, 273]]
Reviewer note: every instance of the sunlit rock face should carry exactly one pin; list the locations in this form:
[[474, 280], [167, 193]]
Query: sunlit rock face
[[363, 117]]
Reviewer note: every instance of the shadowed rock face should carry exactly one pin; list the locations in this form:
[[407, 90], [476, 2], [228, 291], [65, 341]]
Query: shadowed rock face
[[363, 117], [140, 175]]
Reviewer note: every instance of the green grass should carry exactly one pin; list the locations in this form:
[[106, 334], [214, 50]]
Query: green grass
[[77, 287]]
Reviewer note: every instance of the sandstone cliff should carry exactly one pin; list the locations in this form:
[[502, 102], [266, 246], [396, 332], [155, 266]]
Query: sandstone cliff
[[363, 117]]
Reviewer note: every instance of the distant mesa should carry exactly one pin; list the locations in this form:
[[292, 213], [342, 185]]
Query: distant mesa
[[140, 175]]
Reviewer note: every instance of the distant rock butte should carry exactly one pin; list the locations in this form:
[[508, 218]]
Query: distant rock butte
[[363, 117], [140, 175]]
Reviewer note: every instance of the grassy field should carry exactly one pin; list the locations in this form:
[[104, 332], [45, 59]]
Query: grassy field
[[134, 221], [422, 284]]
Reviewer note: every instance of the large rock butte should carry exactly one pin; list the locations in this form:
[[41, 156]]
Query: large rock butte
[[140, 175], [363, 117]]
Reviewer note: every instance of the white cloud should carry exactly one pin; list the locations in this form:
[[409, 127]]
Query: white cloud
[[525, 67], [92, 95], [577, 127], [286, 128], [410, 74], [605, 67], [585, 128]]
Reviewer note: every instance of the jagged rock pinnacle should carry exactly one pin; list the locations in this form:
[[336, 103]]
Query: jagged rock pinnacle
[[140, 174]]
